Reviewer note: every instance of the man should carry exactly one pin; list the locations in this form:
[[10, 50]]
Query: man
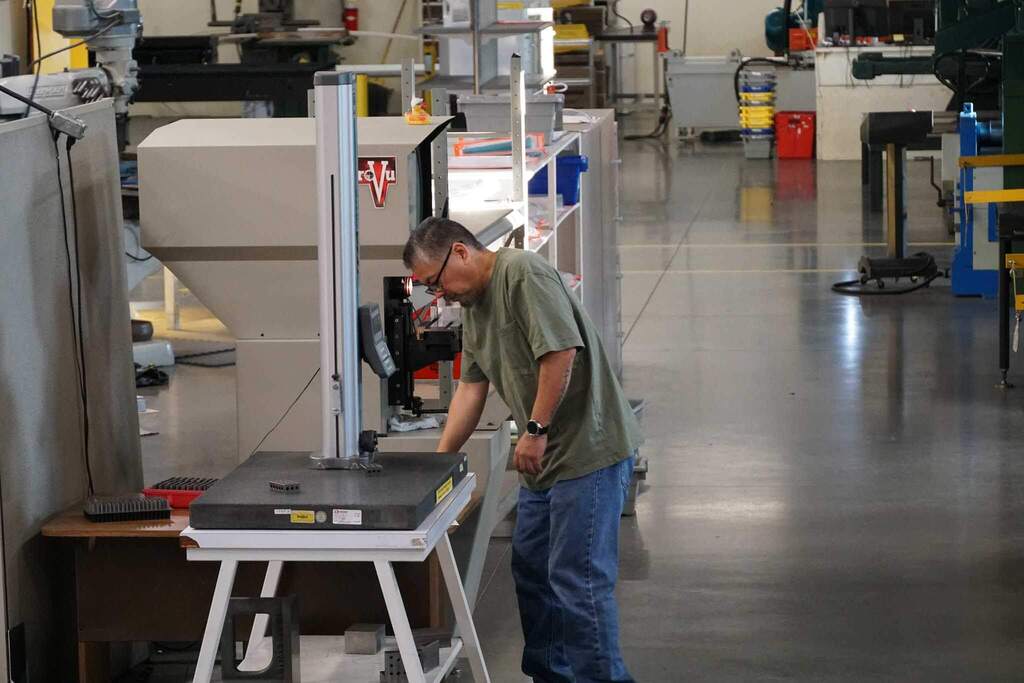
[[526, 334]]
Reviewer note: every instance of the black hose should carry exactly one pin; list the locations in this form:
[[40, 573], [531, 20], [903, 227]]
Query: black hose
[[928, 272], [664, 116], [858, 288]]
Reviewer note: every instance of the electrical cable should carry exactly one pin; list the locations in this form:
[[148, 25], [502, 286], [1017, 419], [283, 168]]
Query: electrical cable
[[77, 328], [39, 67], [83, 41], [394, 29], [615, 11], [664, 116], [81, 324], [138, 259], [109, 15], [278, 423]]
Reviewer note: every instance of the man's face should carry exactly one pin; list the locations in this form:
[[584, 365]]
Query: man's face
[[455, 276]]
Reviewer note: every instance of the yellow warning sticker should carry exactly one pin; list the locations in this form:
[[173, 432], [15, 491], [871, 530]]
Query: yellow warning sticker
[[445, 489], [302, 517]]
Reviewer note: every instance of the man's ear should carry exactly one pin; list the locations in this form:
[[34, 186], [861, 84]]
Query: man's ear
[[461, 250]]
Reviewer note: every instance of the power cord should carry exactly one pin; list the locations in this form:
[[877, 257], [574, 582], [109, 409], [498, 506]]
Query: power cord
[[615, 11], [664, 116], [115, 14], [38, 65], [288, 410], [84, 41], [75, 287]]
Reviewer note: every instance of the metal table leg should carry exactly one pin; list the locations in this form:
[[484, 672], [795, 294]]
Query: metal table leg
[[215, 622], [463, 615], [1005, 296], [871, 173], [896, 210], [261, 621], [400, 621]]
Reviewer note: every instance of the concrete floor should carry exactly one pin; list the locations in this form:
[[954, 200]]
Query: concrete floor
[[836, 488]]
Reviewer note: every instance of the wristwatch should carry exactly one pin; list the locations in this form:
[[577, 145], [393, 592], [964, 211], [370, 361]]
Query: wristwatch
[[534, 428]]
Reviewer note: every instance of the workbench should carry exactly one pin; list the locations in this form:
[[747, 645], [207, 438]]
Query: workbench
[[133, 582]]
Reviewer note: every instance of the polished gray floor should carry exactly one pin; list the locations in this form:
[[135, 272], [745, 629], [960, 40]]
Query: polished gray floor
[[836, 488]]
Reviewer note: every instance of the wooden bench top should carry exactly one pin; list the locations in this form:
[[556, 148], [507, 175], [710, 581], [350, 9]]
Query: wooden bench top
[[72, 524]]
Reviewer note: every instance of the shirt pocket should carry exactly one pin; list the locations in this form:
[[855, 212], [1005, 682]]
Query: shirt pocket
[[515, 349]]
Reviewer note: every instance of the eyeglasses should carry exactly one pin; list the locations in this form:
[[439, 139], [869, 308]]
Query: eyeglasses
[[434, 287]]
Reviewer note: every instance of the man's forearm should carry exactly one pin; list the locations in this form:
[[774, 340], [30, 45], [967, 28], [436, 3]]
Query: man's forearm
[[463, 415], [552, 383]]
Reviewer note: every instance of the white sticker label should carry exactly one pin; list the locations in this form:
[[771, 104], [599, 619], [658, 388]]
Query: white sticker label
[[348, 517], [283, 511]]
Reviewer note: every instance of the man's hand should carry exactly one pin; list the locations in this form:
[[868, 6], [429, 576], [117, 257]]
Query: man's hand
[[463, 415], [529, 455]]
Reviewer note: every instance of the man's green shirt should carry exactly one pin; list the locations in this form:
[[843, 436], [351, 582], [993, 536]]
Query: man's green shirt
[[525, 313]]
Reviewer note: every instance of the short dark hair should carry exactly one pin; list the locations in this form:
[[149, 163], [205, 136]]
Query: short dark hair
[[432, 239]]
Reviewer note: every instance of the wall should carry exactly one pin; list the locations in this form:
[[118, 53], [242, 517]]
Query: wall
[[12, 28], [717, 27]]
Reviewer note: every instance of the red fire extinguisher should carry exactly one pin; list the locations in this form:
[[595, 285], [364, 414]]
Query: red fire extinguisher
[[350, 15]]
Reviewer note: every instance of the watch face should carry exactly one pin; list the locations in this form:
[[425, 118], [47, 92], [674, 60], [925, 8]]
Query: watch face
[[532, 427]]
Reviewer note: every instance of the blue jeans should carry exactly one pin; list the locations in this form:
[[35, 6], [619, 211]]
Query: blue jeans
[[565, 561]]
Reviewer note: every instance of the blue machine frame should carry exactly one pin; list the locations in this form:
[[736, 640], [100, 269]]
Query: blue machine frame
[[968, 278]]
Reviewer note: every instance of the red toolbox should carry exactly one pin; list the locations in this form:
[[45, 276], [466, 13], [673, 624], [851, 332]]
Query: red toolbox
[[794, 134]]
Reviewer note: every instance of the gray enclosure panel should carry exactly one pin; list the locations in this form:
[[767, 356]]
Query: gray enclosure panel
[[41, 468]]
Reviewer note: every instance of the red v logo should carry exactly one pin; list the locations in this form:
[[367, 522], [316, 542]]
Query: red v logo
[[378, 174]]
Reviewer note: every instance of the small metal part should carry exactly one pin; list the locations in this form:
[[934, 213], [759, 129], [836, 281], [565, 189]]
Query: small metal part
[[394, 669], [284, 485], [69, 125], [364, 639]]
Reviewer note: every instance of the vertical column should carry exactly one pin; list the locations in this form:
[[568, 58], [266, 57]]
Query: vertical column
[[517, 84], [338, 254]]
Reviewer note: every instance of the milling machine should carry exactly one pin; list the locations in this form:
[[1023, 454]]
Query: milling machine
[[109, 29]]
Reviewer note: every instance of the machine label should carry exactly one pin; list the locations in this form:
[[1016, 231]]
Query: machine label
[[445, 489], [379, 174], [282, 511], [302, 517], [349, 517]]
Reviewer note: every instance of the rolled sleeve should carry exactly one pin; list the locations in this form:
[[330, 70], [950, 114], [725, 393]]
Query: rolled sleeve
[[541, 305]]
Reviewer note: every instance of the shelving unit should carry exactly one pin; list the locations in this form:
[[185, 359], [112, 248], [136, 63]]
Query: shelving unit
[[482, 28], [560, 239], [590, 81]]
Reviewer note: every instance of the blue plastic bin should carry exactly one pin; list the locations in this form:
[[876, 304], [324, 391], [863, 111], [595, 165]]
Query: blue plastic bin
[[567, 178]]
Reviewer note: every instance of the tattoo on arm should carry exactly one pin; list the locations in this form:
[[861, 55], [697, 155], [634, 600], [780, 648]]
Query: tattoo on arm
[[565, 385]]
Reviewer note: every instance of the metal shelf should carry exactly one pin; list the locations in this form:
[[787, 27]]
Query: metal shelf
[[533, 81], [497, 28], [533, 164], [515, 28], [538, 241], [541, 204], [564, 212]]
